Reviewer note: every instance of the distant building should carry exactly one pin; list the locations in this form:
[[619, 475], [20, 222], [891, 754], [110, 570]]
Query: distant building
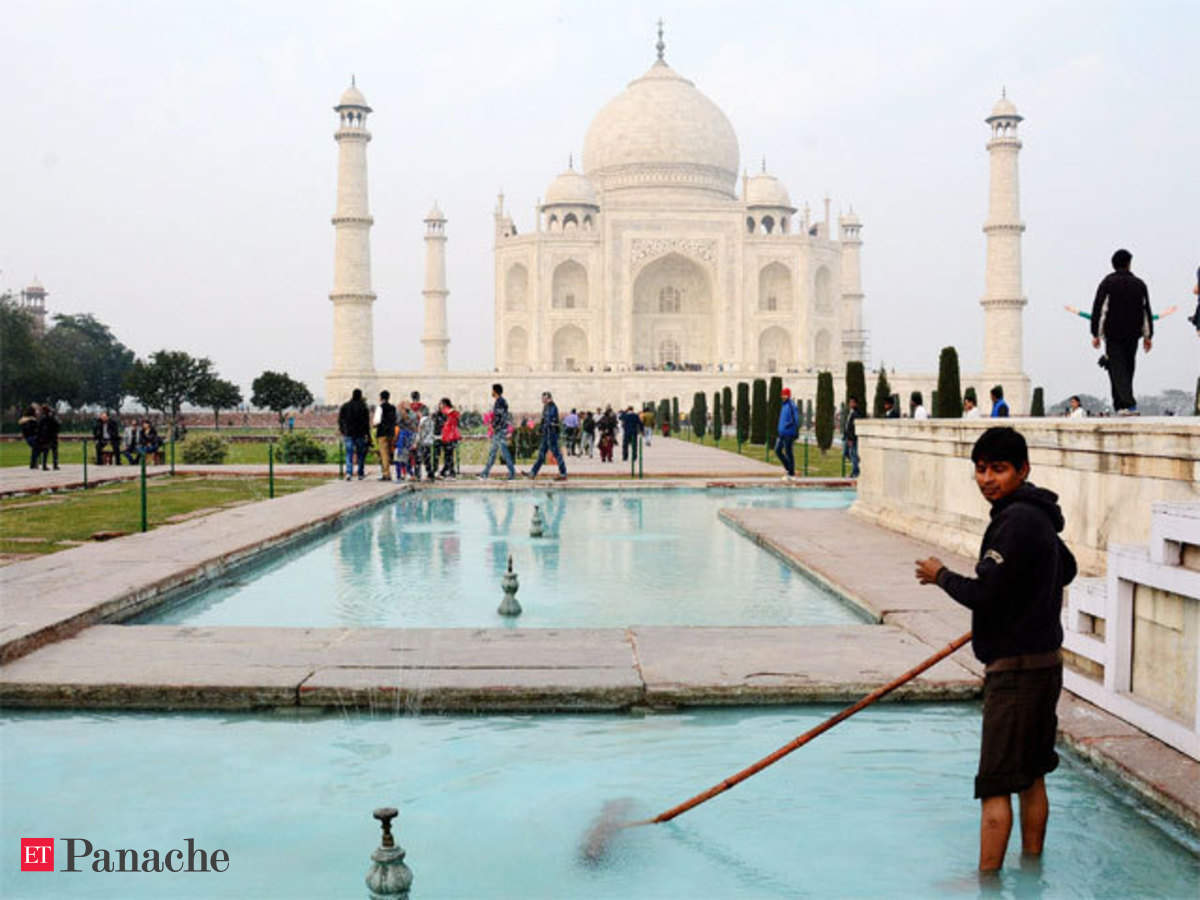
[[33, 301]]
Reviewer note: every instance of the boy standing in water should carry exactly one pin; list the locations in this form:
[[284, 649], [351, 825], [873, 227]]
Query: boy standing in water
[[1015, 602]]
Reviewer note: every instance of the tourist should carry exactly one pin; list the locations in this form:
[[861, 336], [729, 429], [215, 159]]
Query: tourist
[[425, 443], [970, 410], [890, 410], [1121, 314], [385, 434], [999, 404], [354, 425], [786, 433], [28, 423], [129, 436], [405, 430], [1075, 408], [1016, 604], [916, 406], [571, 431], [850, 436], [439, 422], [501, 425], [648, 423], [416, 405], [145, 443], [549, 442], [607, 426], [1195, 319], [450, 436], [589, 433], [107, 430], [631, 429], [47, 435]]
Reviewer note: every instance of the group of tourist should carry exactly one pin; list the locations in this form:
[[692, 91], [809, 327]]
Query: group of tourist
[[411, 437], [39, 428], [140, 439]]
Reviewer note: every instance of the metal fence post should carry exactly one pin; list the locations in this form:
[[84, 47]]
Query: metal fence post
[[806, 454], [143, 492], [85, 446], [641, 450], [270, 471], [172, 449]]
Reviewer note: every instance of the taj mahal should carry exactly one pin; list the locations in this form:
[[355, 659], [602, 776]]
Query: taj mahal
[[655, 270]]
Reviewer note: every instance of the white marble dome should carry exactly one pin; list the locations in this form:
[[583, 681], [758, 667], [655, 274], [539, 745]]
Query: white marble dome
[[1004, 109], [767, 190], [571, 189], [662, 132], [352, 96]]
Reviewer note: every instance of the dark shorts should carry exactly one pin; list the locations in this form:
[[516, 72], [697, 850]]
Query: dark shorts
[[1019, 725]]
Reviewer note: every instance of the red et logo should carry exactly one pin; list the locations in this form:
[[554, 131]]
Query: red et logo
[[37, 854]]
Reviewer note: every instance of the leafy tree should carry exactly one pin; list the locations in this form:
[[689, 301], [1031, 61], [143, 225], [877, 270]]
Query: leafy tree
[[824, 421], [883, 390], [23, 366], [219, 394], [1038, 406], [699, 414], [856, 385], [278, 392], [674, 415], [758, 412], [948, 402], [774, 405], [718, 412], [727, 404], [168, 380], [96, 359], [743, 412]]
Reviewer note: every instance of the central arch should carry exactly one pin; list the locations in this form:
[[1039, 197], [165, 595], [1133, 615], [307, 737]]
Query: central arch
[[672, 300], [570, 349]]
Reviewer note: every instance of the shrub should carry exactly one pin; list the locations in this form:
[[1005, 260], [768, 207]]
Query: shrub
[[471, 419], [948, 404], [1038, 406], [774, 406], [727, 405], [824, 422], [758, 412], [300, 448], [883, 390], [526, 441], [856, 385], [718, 412], [209, 450], [743, 412], [699, 414]]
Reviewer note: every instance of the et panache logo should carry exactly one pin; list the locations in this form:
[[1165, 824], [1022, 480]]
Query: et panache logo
[[37, 855]]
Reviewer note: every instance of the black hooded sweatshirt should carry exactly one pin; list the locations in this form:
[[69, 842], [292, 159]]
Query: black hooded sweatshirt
[[1016, 597]]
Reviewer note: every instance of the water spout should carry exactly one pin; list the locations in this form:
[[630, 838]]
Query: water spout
[[388, 876], [509, 605]]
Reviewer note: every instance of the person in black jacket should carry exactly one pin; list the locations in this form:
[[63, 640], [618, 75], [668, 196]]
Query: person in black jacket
[[107, 430], [1015, 600], [1121, 315], [28, 423], [385, 434], [354, 425], [549, 444], [47, 436]]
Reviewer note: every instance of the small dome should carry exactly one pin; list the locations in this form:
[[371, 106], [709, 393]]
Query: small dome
[[849, 219], [767, 190], [35, 287], [434, 214], [1004, 109], [352, 96], [571, 188]]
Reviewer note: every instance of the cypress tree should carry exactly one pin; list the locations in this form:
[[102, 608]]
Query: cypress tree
[[808, 414], [948, 402], [933, 404], [727, 404], [856, 385], [1038, 406], [824, 420], [883, 390], [718, 411], [699, 414], [743, 412], [674, 415], [774, 406], [663, 416], [758, 412]]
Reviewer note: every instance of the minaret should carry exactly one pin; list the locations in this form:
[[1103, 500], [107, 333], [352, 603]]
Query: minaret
[[1002, 299], [435, 339], [353, 337], [853, 336], [33, 302]]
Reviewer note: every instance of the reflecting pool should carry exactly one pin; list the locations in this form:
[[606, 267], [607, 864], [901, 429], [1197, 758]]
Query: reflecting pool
[[608, 558], [496, 807]]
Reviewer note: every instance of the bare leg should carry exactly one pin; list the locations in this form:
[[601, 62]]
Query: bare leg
[[994, 828], [1035, 810]]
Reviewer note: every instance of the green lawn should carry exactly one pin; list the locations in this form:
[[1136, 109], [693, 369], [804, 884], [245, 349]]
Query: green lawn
[[76, 515], [828, 465]]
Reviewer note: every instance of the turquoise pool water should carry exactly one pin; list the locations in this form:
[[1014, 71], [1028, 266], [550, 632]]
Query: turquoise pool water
[[609, 558], [496, 807]]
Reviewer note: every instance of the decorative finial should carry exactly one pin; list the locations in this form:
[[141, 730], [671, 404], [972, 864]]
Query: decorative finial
[[764, 164], [660, 46], [352, 80], [1004, 92], [571, 161]]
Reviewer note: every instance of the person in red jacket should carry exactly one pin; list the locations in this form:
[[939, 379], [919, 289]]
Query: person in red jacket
[[450, 438]]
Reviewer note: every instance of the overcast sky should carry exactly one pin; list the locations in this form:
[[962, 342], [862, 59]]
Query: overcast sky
[[170, 166]]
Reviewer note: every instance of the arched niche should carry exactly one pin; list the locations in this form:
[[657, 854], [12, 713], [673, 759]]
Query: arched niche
[[673, 294], [823, 292], [516, 287], [775, 288], [569, 286], [516, 348], [775, 350], [570, 349]]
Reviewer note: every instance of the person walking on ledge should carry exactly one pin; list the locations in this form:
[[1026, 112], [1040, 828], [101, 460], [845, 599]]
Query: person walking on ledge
[[549, 440], [1121, 314], [1015, 600]]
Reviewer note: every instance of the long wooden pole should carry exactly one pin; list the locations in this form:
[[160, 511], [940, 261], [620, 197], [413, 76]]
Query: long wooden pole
[[808, 735]]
